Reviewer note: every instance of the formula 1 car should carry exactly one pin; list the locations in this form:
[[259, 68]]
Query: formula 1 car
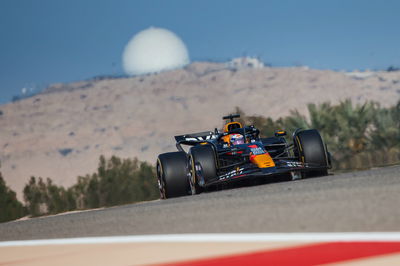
[[238, 153]]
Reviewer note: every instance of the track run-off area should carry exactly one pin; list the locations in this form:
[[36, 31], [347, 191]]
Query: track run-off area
[[336, 205]]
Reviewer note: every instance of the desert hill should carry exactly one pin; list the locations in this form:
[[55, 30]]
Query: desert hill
[[61, 132]]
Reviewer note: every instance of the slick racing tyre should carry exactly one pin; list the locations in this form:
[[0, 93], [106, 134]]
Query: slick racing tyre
[[172, 175], [312, 150], [203, 167]]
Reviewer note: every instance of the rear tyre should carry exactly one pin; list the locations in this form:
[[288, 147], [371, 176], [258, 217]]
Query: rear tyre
[[172, 175], [312, 150], [203, 167]]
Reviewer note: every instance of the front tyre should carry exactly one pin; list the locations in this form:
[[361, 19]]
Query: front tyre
[[311, 150], [172, 175], [202, 167]]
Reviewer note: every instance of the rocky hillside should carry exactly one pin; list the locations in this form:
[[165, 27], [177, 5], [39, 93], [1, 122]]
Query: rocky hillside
[[61, 132]]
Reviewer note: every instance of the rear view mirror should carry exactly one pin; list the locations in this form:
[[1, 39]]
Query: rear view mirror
[[280, 133]]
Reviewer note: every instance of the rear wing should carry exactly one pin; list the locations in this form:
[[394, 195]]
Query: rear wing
[[195, 138]]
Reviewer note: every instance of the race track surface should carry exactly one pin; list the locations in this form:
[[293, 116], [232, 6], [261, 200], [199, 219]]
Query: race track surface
[[359, 201]]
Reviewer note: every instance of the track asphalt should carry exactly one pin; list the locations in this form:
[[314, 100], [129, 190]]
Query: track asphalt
[[363, 201]]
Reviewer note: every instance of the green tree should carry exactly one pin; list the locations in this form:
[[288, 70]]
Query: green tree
[[35, 197], [358, 136], [10, 207], [117, 181]]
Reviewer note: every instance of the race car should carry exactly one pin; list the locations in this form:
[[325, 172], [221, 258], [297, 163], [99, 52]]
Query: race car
[[237, 153]]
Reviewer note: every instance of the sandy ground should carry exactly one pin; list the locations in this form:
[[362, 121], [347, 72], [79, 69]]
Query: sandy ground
[[378, 260], [125, 254]]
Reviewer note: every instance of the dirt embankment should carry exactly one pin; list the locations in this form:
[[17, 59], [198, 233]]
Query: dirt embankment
[[61, 133]]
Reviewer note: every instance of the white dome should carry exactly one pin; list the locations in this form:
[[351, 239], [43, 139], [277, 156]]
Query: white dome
[[154, 50]]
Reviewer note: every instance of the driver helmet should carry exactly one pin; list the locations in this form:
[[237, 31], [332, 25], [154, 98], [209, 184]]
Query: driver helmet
[[237, 139]]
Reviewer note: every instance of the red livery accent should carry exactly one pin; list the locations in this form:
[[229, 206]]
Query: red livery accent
[[313, 254], [237, 152]]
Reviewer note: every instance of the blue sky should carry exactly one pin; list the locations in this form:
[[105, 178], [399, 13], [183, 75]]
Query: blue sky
[[48, 41]]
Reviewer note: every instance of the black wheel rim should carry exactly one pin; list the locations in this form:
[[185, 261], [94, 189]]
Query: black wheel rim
[[161, 183]]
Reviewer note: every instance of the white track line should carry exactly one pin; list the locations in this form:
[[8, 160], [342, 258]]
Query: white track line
[[201, 238]]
